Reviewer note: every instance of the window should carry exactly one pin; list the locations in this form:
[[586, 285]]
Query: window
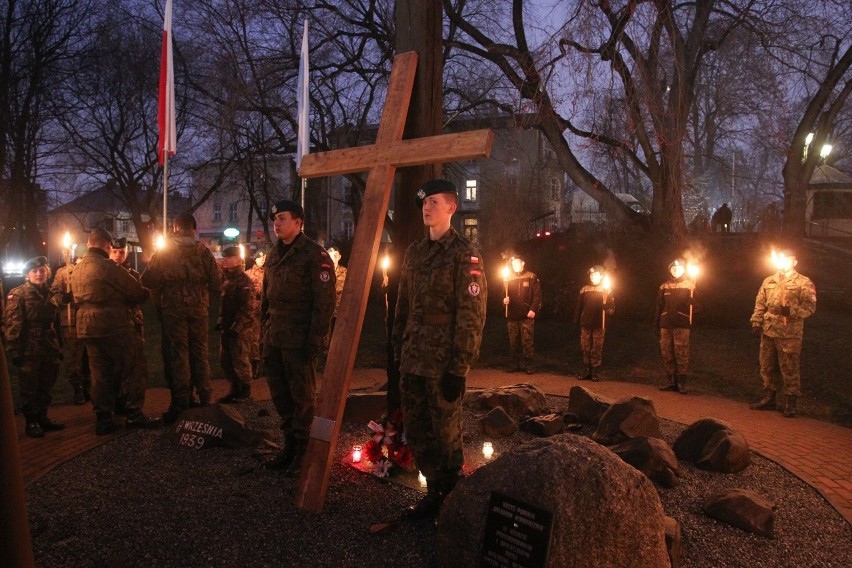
[[124, 227], [471, 229], [348, 228], [555, 189], [217, 211], [470, 190], [261, 209], [232, 212]]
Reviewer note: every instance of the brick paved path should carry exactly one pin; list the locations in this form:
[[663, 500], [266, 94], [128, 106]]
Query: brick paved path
[[817, 452]]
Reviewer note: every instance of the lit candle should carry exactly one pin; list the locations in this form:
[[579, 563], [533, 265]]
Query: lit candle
[[421, 478], [487, 450], [356, 454]]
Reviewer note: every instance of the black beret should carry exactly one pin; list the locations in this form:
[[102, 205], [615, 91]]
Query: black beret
[[230, 251], [34, 263], [287, 205], [432, 187], [119, 243]]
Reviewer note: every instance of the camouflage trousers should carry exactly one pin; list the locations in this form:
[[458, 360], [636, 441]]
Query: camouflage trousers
[[187, 355], [433, 428], [780, 355], [591, 345], [235, 358], [674, 345], [292, 384], [115, 361], [521, 334], [36, 378], [76, 360]]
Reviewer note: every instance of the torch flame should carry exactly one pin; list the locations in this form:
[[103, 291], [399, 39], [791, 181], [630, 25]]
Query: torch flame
[[161, 242], [385, 262], [607, 283], [505, 272], [693, 270], [66, 240], [781, 261]]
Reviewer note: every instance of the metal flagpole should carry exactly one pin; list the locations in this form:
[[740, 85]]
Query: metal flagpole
[[165, 193]]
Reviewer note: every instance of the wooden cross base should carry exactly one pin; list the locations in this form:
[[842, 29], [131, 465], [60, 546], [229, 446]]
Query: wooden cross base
[[381, 160]]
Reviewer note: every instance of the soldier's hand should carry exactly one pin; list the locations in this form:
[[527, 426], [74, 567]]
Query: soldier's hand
[[784, 311], [756, 330], [531, 315], [506, 301], [452, 387]]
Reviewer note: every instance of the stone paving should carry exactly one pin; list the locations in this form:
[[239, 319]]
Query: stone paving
[[819, 453]]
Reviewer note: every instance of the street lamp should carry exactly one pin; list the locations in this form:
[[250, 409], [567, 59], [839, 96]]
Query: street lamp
[[826, 150]]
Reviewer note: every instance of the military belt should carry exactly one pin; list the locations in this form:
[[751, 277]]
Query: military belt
[[432, 319]]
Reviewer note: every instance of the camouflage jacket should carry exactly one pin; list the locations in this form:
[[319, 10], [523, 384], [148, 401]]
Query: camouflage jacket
[[105, 293], [797, 292], [236, 311], [591, 305], [675, 298], [440, 310], [298, 295], [59, 292], [30, 322], [524, 295], [136, 313], [182, 276]]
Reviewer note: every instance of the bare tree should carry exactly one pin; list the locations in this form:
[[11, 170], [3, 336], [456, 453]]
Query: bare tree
[[39, 40]]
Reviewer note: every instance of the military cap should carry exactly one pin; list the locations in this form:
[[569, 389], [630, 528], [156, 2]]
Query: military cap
[[598, 268], [678, 262], [286, 205], [432, 187], [230, 251], [119, 243], [34, 263]]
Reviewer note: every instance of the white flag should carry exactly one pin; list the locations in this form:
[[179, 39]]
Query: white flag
[[303, 143]]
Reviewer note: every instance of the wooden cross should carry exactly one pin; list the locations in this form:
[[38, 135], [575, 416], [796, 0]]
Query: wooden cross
[[381, 160]]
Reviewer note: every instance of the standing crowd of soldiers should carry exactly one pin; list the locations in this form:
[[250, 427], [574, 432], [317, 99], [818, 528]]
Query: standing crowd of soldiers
[[281, 312]]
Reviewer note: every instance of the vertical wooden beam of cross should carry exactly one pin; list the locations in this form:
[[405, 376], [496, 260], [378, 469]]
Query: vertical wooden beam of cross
[[381, 161]]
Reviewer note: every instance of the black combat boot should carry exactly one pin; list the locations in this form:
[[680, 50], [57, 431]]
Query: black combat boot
[[790, 406], [672, 386], [171, 415], [765, 403], [593, 374], [33, 428], [429, 507], [285, 457], [48, 425], [681, 384], [587, 376], [295, 467], [104, 424], [79, 395], [135, 419], [530, 366]]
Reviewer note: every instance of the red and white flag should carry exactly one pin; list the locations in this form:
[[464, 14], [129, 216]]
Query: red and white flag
[[303, 138], [166, 102]]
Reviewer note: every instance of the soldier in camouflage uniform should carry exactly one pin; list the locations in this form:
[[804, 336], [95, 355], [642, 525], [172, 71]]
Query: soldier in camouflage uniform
[[236, 326], [594, 304], [118, 255], [673, 322], [104, 292], [182, 276], [76, 360], [783, 302], [32, 345], [297, 303], [255, 273], [440, 314], [524, 302]]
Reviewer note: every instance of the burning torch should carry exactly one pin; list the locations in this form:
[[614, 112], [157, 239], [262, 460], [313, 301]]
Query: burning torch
[[692, 271], [505, 273], [782, 263], [66, 256], [606, 283], [385, 264]]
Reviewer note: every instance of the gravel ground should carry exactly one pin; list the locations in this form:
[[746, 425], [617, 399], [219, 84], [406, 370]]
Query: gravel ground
[[141, 501]]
